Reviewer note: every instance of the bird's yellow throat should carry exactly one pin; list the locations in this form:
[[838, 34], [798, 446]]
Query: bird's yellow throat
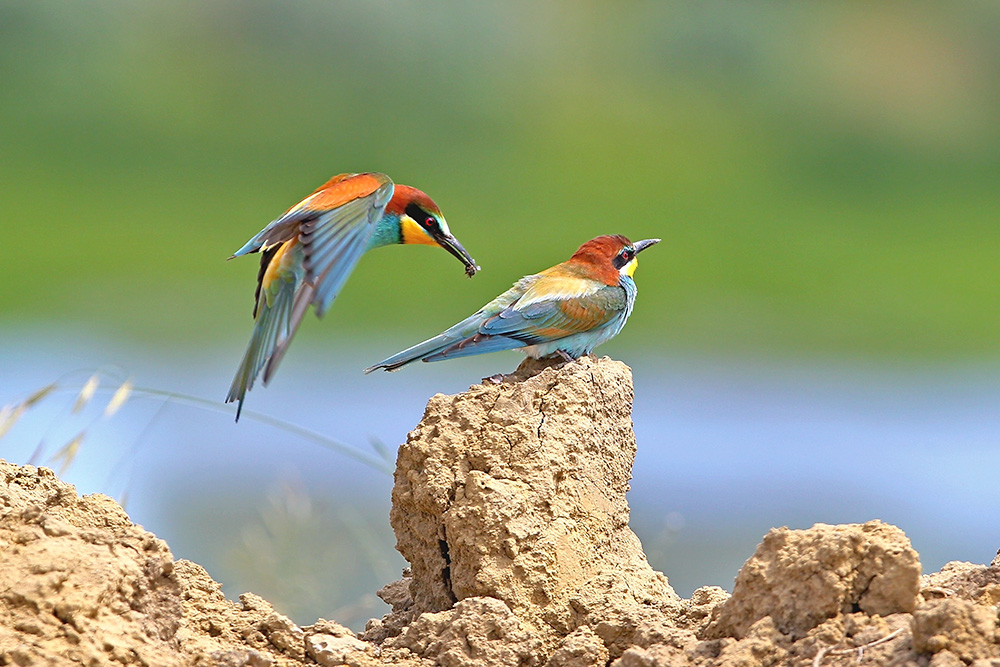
[[630, 267], [414, 233]]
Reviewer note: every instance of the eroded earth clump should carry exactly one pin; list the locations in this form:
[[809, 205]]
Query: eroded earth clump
[[509, 504]]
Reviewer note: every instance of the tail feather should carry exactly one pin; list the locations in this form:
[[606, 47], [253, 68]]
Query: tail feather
[[299, 307], [418, 351], [462, 336], [456, 334], [273, 330], [479, 344]]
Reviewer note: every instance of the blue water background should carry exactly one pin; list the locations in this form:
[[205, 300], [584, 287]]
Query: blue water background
[[727, 449]]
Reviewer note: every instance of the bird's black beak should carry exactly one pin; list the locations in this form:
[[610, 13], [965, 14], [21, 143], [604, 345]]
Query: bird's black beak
[[451, 244], [642, 245]]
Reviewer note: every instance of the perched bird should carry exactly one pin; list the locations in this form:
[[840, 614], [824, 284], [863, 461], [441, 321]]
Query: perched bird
[[308, 253], [567, 310]]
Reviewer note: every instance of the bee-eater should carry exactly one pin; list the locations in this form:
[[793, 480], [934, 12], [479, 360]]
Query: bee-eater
[[308, 253], [567, 310]]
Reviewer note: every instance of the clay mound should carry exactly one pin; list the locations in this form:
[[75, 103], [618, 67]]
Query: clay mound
[[81, 584], [515, 490], [510, 505]]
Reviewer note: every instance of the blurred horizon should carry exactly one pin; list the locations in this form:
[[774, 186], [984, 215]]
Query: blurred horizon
[[816, 339], [823, 176]]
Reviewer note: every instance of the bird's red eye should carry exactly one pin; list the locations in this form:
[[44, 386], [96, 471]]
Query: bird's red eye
[[429, 222]]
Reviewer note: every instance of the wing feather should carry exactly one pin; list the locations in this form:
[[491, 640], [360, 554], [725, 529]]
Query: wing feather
[[556, 317], [334, 240], [277, 317], [308, 253], [506, 324], [458, 334]]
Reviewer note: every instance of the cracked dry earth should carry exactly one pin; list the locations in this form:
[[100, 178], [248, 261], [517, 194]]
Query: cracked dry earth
[[509, 504]]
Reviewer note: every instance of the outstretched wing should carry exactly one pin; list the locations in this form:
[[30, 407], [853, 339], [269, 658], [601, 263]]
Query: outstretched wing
[[334, 225], [282, 299], [307, 255], [338, 222]]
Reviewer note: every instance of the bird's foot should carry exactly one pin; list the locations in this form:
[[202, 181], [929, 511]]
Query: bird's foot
[[565, 356]]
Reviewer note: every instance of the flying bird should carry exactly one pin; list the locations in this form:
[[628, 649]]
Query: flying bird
[[309, 251], [567, 310]]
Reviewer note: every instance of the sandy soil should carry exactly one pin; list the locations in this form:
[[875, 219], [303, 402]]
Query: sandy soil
[[509, 504]]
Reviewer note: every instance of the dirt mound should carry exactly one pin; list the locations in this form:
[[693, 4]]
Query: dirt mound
[[510, 505], [80, 584], [515, 490]]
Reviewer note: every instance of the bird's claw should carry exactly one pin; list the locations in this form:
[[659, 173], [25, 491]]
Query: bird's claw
[[565, 356]]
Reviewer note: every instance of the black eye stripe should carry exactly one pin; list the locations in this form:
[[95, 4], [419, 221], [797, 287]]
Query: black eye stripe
[[623, 258], [422, 217]]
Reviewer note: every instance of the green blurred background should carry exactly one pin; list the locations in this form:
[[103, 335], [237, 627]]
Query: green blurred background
[[824, 177]]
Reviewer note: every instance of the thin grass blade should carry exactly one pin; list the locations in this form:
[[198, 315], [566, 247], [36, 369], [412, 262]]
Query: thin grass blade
[[118, 399], [381, 450], [36, 455], [87, 392], [69, 451], [40, 394], [9, 415]]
